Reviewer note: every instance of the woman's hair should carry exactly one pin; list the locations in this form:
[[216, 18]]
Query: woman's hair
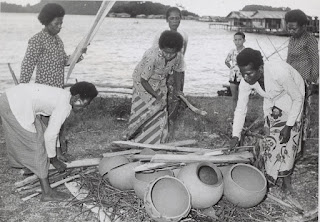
[[172, 9], [49, 12], [250, 56], [242, 34], [85, 90], [297, 16], [171, 39]]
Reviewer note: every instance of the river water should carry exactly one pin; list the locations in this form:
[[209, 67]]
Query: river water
[[120, 43]]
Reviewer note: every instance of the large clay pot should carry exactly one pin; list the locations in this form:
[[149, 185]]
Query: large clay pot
[[245, 185], [142, 180], [167, 199], [108, 163], [122, 177], [204, 182]]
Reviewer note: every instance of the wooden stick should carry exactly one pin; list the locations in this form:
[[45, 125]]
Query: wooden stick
[[31, 179], [16, 82], [174, 158], [125, 152], [81, 163], [58, 183], [182, 143], [271, 197], [262, 50], [193, 108], [275, 48], [154, 166], [161, 147]]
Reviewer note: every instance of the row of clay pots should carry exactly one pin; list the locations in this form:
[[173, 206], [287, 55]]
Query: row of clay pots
[[242, 184]]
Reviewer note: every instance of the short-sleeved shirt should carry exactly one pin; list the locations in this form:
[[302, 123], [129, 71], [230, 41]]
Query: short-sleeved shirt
[[28, 100], [303, 55], [155, 70], [235, 75], [45, 53]]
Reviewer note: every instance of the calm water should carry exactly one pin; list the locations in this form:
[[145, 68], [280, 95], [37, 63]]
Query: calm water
[[120, 43]]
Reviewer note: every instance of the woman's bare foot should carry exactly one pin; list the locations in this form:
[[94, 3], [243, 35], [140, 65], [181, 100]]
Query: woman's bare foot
[[54, 196]]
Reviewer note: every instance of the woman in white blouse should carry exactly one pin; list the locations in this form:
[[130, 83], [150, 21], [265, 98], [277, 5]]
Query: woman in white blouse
[[282, 88]]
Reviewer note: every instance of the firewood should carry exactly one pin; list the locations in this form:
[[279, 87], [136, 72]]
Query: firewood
[[243, 157], [56, 184], [81, 163], [182, 143], [119, 153], [161, 147]]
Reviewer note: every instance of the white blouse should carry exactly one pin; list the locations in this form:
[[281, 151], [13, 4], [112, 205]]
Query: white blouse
[[284, 88], [27, 100]]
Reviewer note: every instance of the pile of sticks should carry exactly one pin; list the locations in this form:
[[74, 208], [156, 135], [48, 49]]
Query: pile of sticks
[[178, 154]]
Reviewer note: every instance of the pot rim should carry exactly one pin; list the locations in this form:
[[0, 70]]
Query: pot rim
[[247, 165], [183, 214], [215, 168]]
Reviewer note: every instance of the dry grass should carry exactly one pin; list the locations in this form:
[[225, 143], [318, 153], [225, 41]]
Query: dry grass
[[90, 134]]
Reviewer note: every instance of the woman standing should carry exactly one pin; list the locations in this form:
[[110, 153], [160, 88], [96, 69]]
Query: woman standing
[[303, 55], [173, 18], [46, 50], [282, 88], [148, 122]]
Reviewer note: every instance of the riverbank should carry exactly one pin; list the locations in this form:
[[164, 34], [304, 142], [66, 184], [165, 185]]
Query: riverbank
[[90, 133]]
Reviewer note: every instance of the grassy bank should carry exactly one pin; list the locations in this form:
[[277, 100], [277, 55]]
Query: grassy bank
[[90, 133]]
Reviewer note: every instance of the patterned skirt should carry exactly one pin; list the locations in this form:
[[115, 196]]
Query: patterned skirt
[[279, 158], [24, 148], [148, 123]]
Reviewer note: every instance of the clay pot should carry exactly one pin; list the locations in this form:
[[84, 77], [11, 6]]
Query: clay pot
[[108, 163], [245, 185], [142, 180], [122, 177], [204, 182], [167, 199]]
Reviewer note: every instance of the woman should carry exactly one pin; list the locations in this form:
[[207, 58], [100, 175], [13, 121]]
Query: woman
[[173, 18], [148, 122], [29, 143], [303, 55], [46, 52], [282, 88]]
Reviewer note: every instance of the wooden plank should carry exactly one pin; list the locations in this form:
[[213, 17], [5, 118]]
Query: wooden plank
[[155, 166], [101, 14], [81, 163], [174, 158], [119, 153], [129, 144], [181, 143]]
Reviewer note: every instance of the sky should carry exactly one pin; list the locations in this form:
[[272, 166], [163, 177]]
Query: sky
[[223, 7]]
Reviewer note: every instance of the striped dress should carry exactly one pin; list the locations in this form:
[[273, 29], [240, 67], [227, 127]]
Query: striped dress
[[148, 123]]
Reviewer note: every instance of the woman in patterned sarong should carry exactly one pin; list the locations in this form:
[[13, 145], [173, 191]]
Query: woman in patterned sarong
[[282, 88], [148, 122]]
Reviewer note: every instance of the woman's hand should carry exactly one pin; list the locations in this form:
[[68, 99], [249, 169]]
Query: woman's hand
[[60, 166], [285, 134], [234, 142]]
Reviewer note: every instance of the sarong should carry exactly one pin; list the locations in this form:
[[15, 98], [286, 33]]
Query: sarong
[[279, 158], [152, 129], [24, 148]]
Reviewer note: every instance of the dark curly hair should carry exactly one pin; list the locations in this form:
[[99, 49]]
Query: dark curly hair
[[172, 9], [49, 12], [171, 39], [297, 16], [250, 56], [241, 33], [85, 90]]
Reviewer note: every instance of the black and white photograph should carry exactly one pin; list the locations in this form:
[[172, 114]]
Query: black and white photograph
[[165, 111]]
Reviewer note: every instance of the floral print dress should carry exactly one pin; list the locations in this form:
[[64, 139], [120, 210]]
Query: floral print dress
[[45, 53]]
